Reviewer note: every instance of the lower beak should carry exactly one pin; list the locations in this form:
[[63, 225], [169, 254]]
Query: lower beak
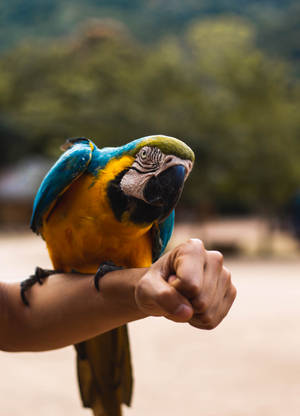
[[164, 190]]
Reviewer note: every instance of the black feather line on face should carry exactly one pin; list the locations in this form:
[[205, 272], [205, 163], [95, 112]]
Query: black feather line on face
[[142, 172], [139, 211], [153, 166]]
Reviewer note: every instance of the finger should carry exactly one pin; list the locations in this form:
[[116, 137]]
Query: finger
[[198, 322], [155, 296], [212, 271], [224, 285], [219, 308], [173, 304], [188, 264], [225, 306]]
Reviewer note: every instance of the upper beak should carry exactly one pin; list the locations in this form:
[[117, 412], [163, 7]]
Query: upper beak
[[175, 161]]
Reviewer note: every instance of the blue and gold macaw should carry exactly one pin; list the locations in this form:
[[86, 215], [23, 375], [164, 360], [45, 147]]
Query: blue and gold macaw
[[111, 205]]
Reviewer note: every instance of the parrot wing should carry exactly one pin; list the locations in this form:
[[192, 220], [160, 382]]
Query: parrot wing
[[161, 235], [166, 230], [65, 171]]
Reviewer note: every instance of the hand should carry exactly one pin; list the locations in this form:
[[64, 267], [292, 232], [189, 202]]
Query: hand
[[188, 284]]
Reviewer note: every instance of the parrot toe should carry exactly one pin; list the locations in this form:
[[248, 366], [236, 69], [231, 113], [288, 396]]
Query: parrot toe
[[37, 277], [104, 268]]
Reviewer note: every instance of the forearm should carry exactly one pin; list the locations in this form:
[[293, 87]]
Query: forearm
[[66, 309], [188, 284]]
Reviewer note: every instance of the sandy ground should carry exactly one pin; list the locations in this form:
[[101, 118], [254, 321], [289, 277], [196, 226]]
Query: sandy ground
[[249, 365]]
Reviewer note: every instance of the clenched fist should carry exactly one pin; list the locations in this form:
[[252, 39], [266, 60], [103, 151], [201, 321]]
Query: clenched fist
[[188, 284]]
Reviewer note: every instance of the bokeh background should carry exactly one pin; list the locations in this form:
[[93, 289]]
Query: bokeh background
[[222, 75]]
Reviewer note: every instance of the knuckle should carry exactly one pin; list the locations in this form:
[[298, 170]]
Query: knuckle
[[196, 244], [201, 304], [191, 248], [226, 277], [217, 257]]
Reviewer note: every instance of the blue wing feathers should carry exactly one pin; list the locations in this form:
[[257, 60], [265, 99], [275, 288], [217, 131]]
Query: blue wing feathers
[[166, 230], [68, 168]]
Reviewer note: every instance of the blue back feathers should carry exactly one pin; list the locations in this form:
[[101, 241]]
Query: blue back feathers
[[68, 168]]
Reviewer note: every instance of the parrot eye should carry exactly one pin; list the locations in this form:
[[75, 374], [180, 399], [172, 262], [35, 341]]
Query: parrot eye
[[143, 154], [148, 158]]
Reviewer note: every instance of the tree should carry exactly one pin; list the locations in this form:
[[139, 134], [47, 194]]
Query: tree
[[213, 88]]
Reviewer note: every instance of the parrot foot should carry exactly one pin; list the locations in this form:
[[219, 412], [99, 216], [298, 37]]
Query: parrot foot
[[37, 277], [104, 268]]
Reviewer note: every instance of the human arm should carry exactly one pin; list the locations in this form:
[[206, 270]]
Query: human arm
[[67, 309]]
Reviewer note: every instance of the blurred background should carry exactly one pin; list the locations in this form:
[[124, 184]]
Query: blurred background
[[222, 75]]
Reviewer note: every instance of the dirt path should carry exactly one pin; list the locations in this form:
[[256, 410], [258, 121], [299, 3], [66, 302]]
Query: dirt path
[[250, 365]]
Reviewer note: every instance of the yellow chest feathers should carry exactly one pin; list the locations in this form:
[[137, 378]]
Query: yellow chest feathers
[[81, 230]]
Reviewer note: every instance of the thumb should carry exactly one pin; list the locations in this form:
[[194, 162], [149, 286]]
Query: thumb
[[155, 296]]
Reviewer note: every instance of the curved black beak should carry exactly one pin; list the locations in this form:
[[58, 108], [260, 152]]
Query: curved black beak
[[164, 190]]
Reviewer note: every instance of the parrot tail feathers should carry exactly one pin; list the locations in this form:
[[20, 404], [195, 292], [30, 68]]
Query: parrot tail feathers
[[105, 372]]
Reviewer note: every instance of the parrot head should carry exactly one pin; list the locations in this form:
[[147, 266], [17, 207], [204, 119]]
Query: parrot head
[[149, 188]]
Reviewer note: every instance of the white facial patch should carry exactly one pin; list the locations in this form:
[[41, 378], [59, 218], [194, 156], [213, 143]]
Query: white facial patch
[[133, 183], [149, 162]]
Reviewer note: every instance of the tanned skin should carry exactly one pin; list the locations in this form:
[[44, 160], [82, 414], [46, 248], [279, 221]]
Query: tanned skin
[[189, 284]]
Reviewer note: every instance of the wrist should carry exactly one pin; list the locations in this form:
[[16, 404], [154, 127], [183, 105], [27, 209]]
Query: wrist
[[122, 286]]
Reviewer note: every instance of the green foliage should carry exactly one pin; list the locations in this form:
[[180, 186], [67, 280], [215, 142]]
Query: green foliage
[[212, 87], [277, 22]]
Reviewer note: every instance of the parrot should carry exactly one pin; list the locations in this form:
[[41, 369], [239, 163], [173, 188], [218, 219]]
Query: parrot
[[101, 209]]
